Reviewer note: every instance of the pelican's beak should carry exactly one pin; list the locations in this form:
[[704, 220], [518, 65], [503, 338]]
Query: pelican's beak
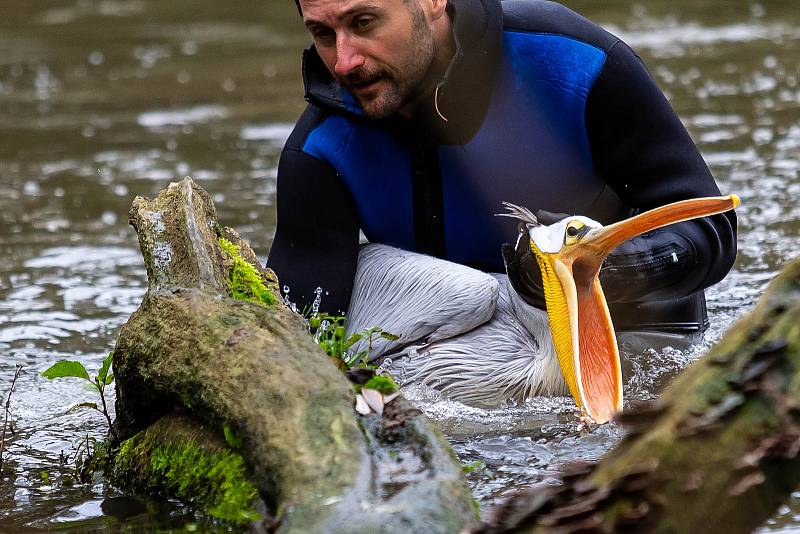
[[583, 335]]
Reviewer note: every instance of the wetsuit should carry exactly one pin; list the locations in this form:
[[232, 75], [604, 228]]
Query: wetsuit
[[544, 109]]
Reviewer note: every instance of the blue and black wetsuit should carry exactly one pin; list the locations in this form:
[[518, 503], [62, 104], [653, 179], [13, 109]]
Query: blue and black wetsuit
[[544, 109]]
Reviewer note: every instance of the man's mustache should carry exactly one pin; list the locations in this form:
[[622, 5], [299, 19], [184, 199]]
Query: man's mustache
[[360, 76]]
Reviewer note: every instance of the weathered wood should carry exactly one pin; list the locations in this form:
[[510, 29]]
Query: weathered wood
[[717, 453], [253, 369]]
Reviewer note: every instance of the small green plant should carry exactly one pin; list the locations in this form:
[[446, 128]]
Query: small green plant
[[329, 333], [474, 467], [383, 384], [245, 280], [8, 427], [72, 369]]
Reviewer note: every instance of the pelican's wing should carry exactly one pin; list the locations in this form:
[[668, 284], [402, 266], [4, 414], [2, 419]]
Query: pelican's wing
[[418, 297], [510, 357]]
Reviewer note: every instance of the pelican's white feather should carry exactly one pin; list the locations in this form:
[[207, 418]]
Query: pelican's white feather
[[551, 238]]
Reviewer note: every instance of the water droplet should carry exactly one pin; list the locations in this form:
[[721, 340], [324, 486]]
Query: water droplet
[[96, 58], [229, 85], [189, 48], [108, 218]]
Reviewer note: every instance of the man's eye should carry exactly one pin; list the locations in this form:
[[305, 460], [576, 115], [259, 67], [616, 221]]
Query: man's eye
[[363, 23], [322, 33]]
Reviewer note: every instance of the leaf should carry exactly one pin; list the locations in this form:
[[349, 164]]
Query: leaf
[[390, 337], [477, 465], [65, 369], [90, 405], [374, 400], [352, 340], [103, 372], [356, 359], [361, 405], [109, 378]]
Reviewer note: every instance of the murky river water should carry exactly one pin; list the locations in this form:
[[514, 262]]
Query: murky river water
[[104, 100]]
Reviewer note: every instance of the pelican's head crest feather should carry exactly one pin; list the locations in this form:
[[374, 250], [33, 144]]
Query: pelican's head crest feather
[[522, 214]]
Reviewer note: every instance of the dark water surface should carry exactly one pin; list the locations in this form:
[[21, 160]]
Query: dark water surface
[[104, 100]]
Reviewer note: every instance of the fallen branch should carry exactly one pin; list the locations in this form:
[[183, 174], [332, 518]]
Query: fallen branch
[[248, 371], [17, 372]]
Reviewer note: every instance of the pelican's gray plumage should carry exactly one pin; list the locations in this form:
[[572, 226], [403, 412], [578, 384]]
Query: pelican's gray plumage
[[462, 331], [416, 297], [510, 357]]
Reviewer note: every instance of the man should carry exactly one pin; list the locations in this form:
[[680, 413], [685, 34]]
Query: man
[[424, 115]]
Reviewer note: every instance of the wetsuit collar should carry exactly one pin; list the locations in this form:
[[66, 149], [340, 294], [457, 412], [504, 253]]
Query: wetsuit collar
[[453, 113]]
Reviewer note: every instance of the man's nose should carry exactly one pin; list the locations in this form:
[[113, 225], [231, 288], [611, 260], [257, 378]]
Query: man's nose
[[348, 56]]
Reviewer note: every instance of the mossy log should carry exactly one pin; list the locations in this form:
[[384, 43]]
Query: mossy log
[[181, 456], [248, 368], [717, 453]]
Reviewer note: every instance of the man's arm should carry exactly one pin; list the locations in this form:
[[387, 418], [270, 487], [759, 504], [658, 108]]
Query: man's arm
[[316, 241], [645, 154]]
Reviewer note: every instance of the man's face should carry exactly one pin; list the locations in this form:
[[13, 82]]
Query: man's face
[[379, 50]]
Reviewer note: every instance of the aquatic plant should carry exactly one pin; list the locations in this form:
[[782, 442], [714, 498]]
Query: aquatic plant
[[329, 332], [103, 378], [245, 280], [6, 426]]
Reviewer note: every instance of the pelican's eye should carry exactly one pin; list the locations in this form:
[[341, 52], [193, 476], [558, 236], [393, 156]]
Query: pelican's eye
[[575, 230]]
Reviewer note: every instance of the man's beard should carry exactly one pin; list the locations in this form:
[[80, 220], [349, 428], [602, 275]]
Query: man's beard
[[408, 82]]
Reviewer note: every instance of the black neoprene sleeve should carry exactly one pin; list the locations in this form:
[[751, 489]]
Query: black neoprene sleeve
[[645, 154], [316, 241]]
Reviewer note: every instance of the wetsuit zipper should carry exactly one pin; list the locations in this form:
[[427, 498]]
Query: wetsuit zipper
[[427, 198], [670, 259]]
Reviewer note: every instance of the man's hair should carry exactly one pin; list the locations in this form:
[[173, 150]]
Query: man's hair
[[300, 10]]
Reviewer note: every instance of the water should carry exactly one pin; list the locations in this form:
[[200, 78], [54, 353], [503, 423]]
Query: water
[[104, 100]]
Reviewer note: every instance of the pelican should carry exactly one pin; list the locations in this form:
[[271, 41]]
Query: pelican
[[469, 333]]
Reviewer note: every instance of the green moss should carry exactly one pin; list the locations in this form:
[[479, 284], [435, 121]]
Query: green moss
[[383, 383], [245, 280], [231, 438], [216, 480]]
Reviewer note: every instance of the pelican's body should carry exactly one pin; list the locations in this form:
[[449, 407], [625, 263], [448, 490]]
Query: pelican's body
[[461, 331], [471, 335]]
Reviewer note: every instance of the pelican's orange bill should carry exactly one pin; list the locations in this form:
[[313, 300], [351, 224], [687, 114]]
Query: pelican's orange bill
[[583, 334]]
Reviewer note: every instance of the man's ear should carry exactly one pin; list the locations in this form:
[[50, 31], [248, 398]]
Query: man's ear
[[438, 9]]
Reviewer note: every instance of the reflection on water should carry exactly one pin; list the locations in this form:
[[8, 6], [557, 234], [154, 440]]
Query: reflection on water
[[102, 100]]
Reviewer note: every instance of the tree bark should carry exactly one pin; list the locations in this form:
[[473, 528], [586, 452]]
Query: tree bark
[[717, 453]]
